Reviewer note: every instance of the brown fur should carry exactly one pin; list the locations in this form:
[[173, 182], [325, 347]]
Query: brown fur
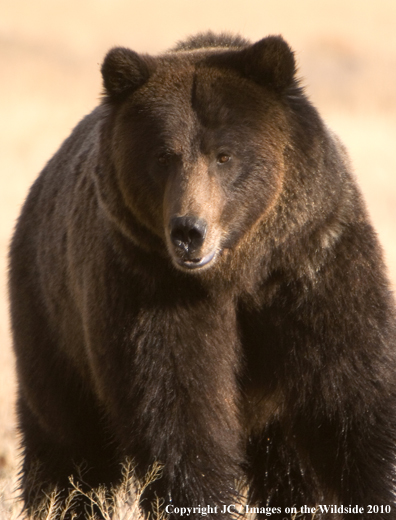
[[194, 280]]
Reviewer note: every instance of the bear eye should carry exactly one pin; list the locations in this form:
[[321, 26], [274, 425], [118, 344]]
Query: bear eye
[[223, 158], [165, 158]]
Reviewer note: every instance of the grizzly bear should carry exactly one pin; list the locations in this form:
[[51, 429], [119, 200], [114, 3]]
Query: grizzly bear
[[194, 281]]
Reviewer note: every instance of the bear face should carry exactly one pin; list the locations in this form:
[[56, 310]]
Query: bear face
[[198, 146]]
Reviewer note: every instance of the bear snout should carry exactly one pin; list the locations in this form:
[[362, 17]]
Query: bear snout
[[187, 236]]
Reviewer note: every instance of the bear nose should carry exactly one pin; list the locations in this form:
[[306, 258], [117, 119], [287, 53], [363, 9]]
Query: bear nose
[[188, 233]]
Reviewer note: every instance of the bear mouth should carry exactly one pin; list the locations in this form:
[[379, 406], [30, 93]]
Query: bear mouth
[[196, 263]]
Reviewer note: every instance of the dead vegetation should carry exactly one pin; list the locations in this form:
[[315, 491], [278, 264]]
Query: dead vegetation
[[120, 503]]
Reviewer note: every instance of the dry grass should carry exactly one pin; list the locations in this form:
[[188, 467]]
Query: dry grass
[[121, 503], [50, 54], [10, 506]]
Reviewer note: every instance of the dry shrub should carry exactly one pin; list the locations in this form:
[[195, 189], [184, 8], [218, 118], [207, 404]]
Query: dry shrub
[[10, 506], [120, 503]]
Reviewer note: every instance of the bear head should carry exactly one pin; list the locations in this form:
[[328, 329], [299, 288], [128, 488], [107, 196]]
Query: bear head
[[195, 141]]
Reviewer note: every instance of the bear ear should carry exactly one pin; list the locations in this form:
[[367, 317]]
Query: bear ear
[[123, 71], [269, 61]]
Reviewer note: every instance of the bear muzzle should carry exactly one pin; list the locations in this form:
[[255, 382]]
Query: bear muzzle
[[187, 237]]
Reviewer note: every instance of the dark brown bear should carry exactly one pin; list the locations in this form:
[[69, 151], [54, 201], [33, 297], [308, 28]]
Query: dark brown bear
[[195, 281]]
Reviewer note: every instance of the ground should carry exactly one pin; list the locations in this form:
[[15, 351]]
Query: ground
[[50, 55]]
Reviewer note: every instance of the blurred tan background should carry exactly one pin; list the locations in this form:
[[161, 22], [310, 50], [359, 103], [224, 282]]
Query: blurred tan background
[[50, 56]]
